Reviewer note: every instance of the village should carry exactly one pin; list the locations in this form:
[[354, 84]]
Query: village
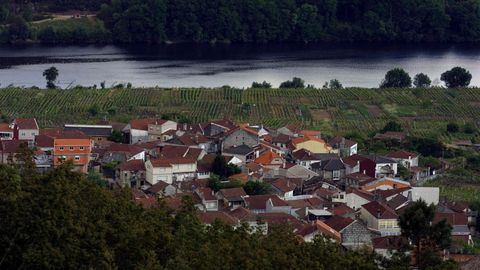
[[239, 173]]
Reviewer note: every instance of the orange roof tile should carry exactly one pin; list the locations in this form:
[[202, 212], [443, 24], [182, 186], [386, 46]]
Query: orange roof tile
[[267, 158]]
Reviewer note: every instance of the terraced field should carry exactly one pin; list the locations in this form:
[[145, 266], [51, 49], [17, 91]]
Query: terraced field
[[423, 111]]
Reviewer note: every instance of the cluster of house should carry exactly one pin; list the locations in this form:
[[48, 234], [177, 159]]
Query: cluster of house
[[317, 185]]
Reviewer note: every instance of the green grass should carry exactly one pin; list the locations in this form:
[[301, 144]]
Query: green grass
[[333, 111]]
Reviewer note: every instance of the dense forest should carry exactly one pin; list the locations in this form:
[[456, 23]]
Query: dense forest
[[260, 21], [48, 223]]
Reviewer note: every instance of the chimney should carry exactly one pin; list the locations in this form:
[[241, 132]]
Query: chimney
[[284, 164], [184, 126], [378, 213]]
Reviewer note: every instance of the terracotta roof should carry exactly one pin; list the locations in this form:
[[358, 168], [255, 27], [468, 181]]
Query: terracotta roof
[[158, 187], [260, 201], [26, 123], [206, 193], [339, 223], [360, 177], [397, 201], [281, 138], [388, 242], [341, 210], [389, 192], [284, 185], [267, 158], [253, 167], [44, 141], [314, 202], [243, 214], [173, 202], [281, 218], [379, 210], [4, 127], [353, 160], [180, 151], [299, 140], [293, 128], [451, 218], [304, 154], [362, 193], [401, 154], [133, 165], [210, 217], [142, 124], [11, 146], [310, 133], [167, 162], [233, 193], [125, 148]]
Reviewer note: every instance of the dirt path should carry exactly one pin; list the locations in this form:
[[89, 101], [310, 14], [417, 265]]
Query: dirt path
[[62, 17]]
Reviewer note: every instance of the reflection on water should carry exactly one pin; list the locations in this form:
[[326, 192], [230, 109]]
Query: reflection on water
[[189, 65]]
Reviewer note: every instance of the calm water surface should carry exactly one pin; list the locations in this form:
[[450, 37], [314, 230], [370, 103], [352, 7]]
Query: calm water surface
[[235, 65]]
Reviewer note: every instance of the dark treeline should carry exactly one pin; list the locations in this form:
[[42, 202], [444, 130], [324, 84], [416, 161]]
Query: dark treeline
[[261, 21], [48, 223], [289, 20]]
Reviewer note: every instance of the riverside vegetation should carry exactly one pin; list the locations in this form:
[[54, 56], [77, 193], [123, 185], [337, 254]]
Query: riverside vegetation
[[258, 21]]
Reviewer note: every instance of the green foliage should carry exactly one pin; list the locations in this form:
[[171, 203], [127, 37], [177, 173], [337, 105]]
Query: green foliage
[[215, 183], [257, 188], [469, 128], [294, 83], [421, 80], [392, 126], [452, 127], [18, 30], [396, 78], [222, 169], [335, 84], [51, 75], [96, 179], [82, 30], [403, 172], [116, 136], [427, 238], [456, 77], [263, 84]]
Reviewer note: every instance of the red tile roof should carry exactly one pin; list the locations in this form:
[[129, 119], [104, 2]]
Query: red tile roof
[[401, 154], [11, 146], [133, 165], [284, 185], [260, 201], [4, 127], [26, 123], [388, 242], [379, 210], [142, 124], [452, 218], [339, 223], [206, 193], [281, 218], [233, 192], [341, 210], [267, 158]]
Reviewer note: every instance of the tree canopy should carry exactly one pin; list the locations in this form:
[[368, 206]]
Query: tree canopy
[[421, 80], [396, 78], [456, 77]]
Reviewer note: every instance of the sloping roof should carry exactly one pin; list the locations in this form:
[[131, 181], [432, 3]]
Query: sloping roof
[[267, 158], [329, 165], [233, 193], [339, 223], [243, 214], [397, 201], [402, 154], [281, 138], [167, 162], [158, 187], [142, 124], [44, 141], [341, 210], [257, 202], [239, 150], [124, 148], [451, 218], [304, 154], [388, 242], [284, 185], [281, 218], [299, 140], [180, 151], [4, 127], [379, 210], [11, 146], [92, 130], [206, 193], [385, 193], [242, 177], [362, 178], [26, 123], [133, 165]]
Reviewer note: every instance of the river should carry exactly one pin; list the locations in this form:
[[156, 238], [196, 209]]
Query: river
[[186, 65]]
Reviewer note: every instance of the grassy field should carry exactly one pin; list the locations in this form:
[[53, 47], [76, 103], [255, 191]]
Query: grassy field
[[424, 112]]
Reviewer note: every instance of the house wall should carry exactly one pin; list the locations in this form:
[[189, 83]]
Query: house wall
[[240, 137], [354, 201], [350, 170], [155, 174], [27, 134], [76, 150], [124, 178], [385, 226], [356, 235], [139, 156], [137, 135], [286, 131]]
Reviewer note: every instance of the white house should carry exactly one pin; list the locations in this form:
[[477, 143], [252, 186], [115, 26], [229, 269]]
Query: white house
[[25, 129], [170, 170], [407, 159]]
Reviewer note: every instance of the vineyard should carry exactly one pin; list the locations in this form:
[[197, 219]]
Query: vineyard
[[423, 112]]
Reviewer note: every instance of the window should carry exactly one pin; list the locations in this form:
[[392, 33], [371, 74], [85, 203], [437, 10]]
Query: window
[[77, 158], [33, 133], [71, 148], [23, 133], [82, 148], [336, 174], [61, 148]]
